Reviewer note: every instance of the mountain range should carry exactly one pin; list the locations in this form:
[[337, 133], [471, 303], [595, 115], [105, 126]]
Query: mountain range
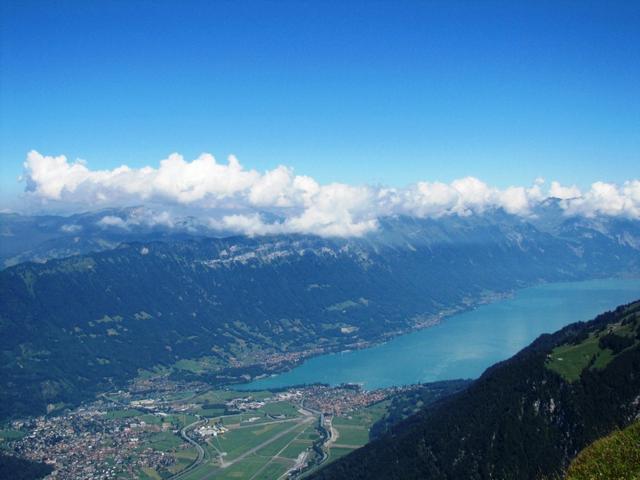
[[524, 418], [129, 295]]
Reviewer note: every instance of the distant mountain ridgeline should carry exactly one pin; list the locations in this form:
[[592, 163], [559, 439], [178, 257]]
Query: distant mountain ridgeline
[[74, 326], [525, 418], [40, 238]]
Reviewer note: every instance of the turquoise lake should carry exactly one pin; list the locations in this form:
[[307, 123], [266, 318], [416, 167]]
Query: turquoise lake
[[463, 345]]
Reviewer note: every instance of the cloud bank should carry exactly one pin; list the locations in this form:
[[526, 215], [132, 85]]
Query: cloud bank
[[238, 199]]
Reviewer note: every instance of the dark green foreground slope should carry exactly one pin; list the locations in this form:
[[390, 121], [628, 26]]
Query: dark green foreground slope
[[525, 418]]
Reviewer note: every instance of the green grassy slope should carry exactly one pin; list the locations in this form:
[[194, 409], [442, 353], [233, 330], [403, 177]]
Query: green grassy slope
[[616, 456], [597, 349]]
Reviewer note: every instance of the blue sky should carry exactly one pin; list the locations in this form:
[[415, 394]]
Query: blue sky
[[357, 92]]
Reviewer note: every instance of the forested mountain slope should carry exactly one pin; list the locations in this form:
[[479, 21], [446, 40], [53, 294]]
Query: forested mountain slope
[[74, 326], [525, 418]]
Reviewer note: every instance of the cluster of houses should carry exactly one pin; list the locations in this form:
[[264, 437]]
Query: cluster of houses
[[211, 430]]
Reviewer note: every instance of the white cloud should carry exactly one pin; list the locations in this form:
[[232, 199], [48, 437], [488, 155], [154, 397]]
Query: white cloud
[[235, 196], [337, 210], [112, 221], [274, 188], [465, 196], [137, 217], [563, 192], [515, 200], [607, 199], [49, 176], [70, 228]]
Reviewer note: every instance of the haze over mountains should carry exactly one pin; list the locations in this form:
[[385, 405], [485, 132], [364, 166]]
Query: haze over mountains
[[151, 295], [42, 237]]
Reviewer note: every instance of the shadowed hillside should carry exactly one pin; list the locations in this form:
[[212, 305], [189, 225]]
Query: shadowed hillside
[[525, 418], [72, 327]]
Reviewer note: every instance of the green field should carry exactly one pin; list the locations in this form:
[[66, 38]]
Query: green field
[[352, 435], [280, 408], [205, 470], [273, 470], [243, 470], [270, 461], [570, 360], [180, 420], [278, 445], [163, 441], [199, 365], [301, 443], [184, 459], [210, 412], [10, 434], [270, 421], [237, 441], [295, 448], [353, 429], [152, 419], [149, 473], [278, 431], [125, 413], [363, 417]]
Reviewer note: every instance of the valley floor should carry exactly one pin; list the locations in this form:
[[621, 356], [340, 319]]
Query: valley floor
[[192, 432]]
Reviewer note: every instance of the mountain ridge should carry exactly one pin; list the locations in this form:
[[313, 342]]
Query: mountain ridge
[[70, 327], [43, 237], [519, 420]]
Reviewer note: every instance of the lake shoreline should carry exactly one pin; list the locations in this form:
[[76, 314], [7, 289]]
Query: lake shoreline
[[426, 323], [430, 321]]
